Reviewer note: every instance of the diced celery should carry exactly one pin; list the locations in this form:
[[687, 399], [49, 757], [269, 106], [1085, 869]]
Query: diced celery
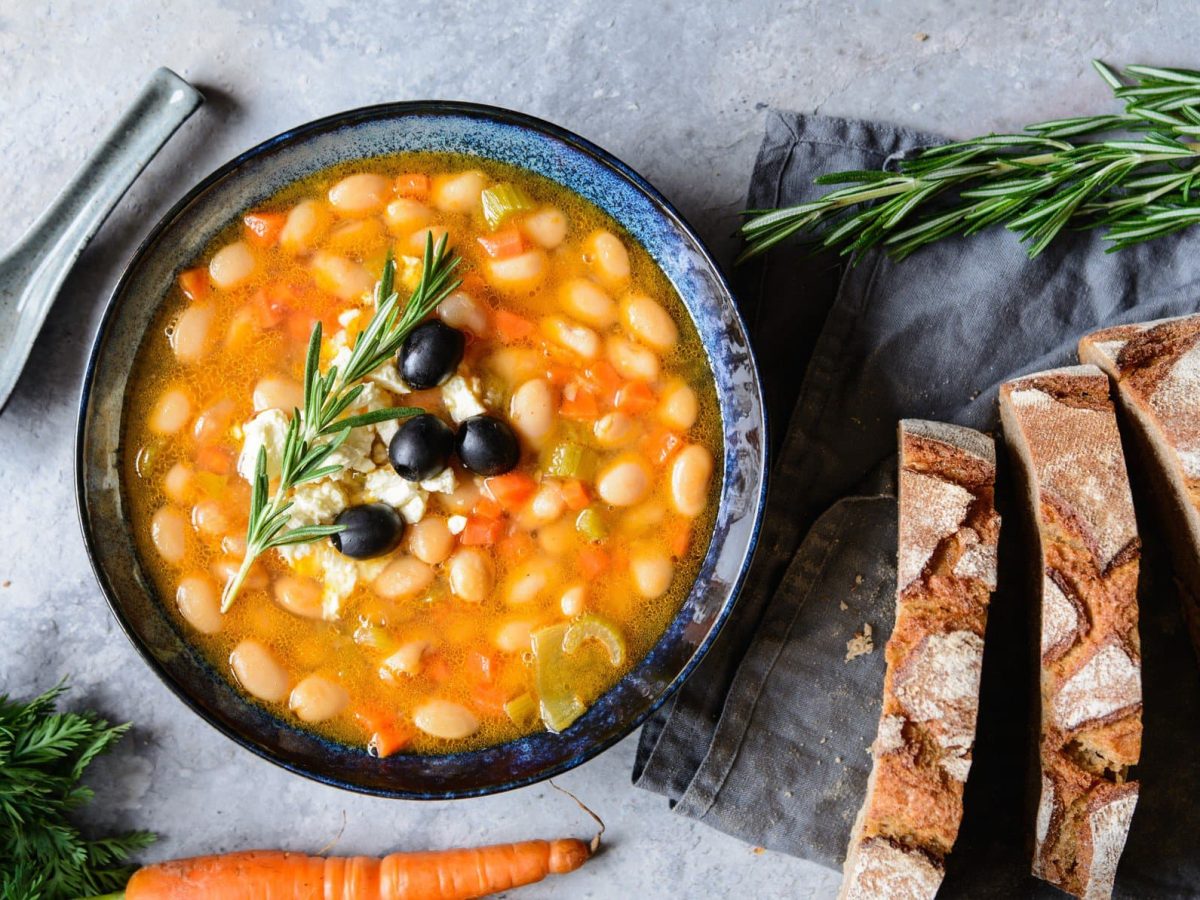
[[590, 523], [570, 460], [559, 704], [502, 200], [522, 710], [595, 628]]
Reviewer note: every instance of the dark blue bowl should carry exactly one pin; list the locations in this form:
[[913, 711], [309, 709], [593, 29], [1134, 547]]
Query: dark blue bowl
[[248, 180]]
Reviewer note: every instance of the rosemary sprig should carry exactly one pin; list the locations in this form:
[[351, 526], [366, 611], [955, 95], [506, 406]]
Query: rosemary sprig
[[1138, 184], [316, 431]]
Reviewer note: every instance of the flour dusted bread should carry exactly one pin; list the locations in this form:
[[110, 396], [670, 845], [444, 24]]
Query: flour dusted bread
[[946, 572], [1156, 368], [1061, 425]]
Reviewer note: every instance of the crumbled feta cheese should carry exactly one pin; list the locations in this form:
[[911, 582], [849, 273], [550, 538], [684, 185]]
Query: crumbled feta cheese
[[268, 429], [346, 318], [316, 503], [445, 483], [341, 575], [388, 376], [405, 497], [456, 524], [341, 355], [462, 398], [355, 453], [409, 273]]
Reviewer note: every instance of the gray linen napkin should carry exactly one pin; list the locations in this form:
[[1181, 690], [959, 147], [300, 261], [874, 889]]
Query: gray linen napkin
[[768, 739]]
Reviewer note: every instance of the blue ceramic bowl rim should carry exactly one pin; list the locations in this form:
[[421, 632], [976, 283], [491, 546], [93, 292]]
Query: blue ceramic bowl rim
[[315, 128]]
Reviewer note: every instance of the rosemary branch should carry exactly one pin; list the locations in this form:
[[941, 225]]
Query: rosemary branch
[[1139, 184], [316, 431]]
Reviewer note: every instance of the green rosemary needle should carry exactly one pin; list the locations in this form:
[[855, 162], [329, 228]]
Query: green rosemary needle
[[1138, 185], [317, 430]]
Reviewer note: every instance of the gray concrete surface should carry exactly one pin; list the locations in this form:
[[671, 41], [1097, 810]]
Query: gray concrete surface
[[676, 89]]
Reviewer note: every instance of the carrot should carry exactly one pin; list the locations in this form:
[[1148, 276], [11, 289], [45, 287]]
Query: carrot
[[593, 562], [194, 283], [515, 547], [263, 228], [510, 327], [486, 508], [604, 380], [389, 734], [574, 494], [679, 535], [581, 405], [214, 459], [504, 243], [659, 444], [414, 185], [481, 532], [435, 875], [636, 397], [490, 698], [511, 490]]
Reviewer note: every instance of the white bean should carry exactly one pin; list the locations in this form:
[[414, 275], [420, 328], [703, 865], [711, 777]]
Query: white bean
[[649, 322], [632, 361], [344, 278], [171, 412], [225, 568], [547, 226], [652, 571], [520, 273], [624, 482], [208, 518], [573, 600], [407, 658], [306, 224], [299, 595], [192, 334], [460, 311], [403, 579], [691, 471], [418, 239], [430, 540], [177, 484], [231, 265], [317, 699], [547, 504], [471, 574], [360, 194], [404, 216], [578, 339], [557, 538], [515, 364], [458, 193], [446, 720], [679, 407], [199, 602], [513, 635], [277, 392], [530, 580], [531, 410], [616, 429], [168, 531], [607, 256], [587, 302], [259, 672]]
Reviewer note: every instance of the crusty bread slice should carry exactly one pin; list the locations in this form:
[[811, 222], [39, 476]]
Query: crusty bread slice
[[1062, 426], [946, 572], [1156, 367]]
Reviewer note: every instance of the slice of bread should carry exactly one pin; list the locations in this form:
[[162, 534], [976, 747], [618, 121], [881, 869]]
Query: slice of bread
[[1062, 427], [946, 572], [1156, 368]]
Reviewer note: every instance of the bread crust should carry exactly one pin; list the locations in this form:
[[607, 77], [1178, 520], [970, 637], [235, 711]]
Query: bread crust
[[946, 571], [1063, 428]]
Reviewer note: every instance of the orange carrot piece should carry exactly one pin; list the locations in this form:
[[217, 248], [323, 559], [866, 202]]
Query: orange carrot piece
[[659, 444], [194, 283], [436, 668], [511, 490], [515, 547], [433, 875], [593, 561], [504, 243], [263, 228], [582, 406], [510, 327], [214, 459], [604, 379], [679, 537], [636, 397], [389, 734], [559, 375], [490, 698], [414, 185], [481, 532], [574, 494], [487, 508]]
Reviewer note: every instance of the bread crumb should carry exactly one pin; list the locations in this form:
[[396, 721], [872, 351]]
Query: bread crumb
[[758, 851], [857, 579], [861, 644], [6, 583], [837, 759], [920, 36], [841, 604], [824, 739]]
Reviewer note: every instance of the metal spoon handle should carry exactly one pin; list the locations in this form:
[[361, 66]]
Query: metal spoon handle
[[32, 273]]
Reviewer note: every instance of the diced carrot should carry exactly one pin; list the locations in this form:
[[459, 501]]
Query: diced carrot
[[515, 547], [574, 494], [389, 733], [194, 283], [504, 243], [510, 327], [211, 458], [486, 508], [414, 185], [581, 406], [559, 375], [481, 532], [679, 536], [299, 327], [482, 665], [435, 667], [489, 698], [263, 228], [272, 306], [659, 444], [636, 397], [604, 380], [511, 490], [593, 561]]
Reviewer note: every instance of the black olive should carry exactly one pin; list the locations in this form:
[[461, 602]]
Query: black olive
[[372, 529], [430, 355], [421, 447], [487, 446]]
